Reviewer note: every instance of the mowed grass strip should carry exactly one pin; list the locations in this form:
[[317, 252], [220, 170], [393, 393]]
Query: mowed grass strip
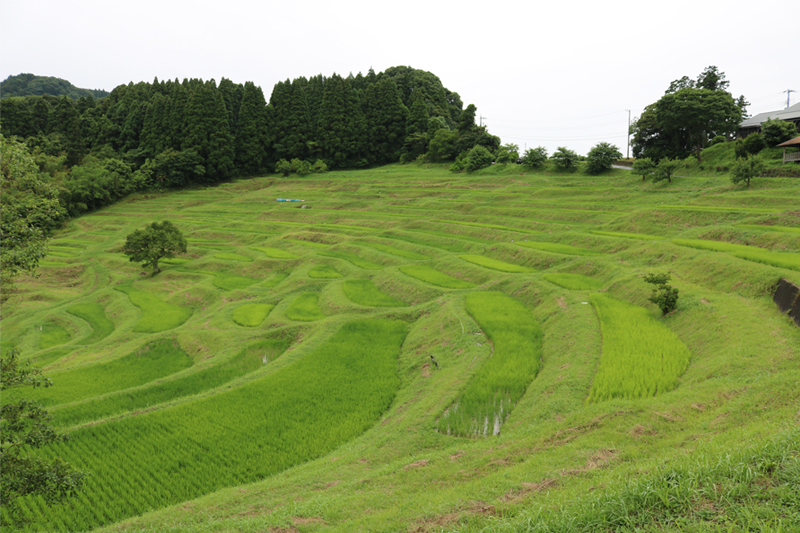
[[434, 277], [231, 282], [485, 225], [95, 315], [394, 251], [749, 253], [251, 315], [556, 248], [275, 279], [248, 360], [305, 308], [52, 334], [274, 253], [316, 404], [352, 258], [152, 361], [364, 292], [641, 356], [494, 264], [157, 315], [574, 282], [324, 272], [493, 392]]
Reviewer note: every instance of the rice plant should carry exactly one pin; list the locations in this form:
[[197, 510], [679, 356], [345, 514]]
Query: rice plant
[[157, 315], [230, 256], [394, 251], [494, 390], [275, 279], [305, 308], [494, 264], [95, 315], [312, 406], [247, 360], [641, 356], [274, 253], [636, 236], [324, 272], [749, 253], [434, 277], [152, 361], [52, 334], [764, 227], [574, 282], [352, 258], [230, 282], [557, 248], [364, 292], [251, 315]]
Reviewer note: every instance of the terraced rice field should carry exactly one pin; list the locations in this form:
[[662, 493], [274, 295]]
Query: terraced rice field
[[421, 351]]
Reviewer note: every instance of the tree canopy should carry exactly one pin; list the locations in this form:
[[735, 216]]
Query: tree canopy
[[687, 117], [25, 425], [159, 240]]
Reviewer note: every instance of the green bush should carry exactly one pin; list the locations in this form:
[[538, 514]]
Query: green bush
[[753, 143], [664, 296], [777, 131], [644, 167], [477, 158], [601, 157], [283, 167], [535, 157], [564, 158]]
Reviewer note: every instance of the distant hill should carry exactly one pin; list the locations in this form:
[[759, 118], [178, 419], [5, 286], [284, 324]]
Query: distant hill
[[30, 84]]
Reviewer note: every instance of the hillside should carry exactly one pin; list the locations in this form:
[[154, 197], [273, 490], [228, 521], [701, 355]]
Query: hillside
[[32, 85], [422, 351]]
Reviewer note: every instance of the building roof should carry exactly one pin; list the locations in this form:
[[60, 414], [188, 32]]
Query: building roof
[[791, 142], [790, 113]]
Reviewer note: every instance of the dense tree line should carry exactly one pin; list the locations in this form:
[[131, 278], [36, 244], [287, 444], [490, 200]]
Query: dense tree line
[[174, 134], [30, 84]]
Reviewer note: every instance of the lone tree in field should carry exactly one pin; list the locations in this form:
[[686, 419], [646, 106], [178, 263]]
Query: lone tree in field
[[664, 295], [601, 157], [26, 425], [746, 169], [159, 240]]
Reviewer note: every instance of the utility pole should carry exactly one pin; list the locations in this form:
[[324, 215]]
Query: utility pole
[[481, 120], [788, 94], [628, 154]]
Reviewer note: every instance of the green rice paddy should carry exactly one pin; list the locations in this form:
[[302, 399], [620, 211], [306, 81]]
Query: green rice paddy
[[574, 282], [641, 356], [305, 308], [251, 315], [494, 264], [398, 359], [434, 277], [364, 292], [157, 315]]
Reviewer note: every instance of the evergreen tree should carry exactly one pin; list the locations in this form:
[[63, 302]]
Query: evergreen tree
[[341, 125], [208, 133], [252, 140], [386, 118], [64, 120]]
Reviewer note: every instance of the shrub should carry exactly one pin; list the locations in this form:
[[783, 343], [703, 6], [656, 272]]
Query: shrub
[[564, 158], [283, 167], [753, 143], [644, 167], [477, 158], [664, 295], [665, 170], [747, 168], [601, 157], [508, 153], [301, 167], [777, 131], [535, 157], [319, 167], [717, 140]]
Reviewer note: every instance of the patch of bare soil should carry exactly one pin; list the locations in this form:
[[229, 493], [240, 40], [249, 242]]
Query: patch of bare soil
[[437, 522], [416, 464], [525, 489]]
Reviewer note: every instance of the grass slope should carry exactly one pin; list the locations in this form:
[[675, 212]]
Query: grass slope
[[233, 444]]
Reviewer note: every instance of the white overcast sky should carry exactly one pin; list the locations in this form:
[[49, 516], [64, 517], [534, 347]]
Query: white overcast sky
[[555, 73]]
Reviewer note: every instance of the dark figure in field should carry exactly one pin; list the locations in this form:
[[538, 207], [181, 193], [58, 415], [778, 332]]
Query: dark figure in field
[[434, 361]]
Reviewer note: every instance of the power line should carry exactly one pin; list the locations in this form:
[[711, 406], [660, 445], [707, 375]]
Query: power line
[[788, 94]]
